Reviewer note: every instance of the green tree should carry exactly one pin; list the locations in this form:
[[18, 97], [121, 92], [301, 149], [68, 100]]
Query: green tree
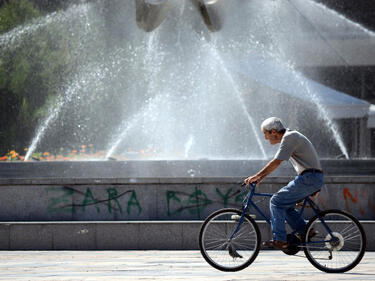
[[14, 70], [16, 12], [37, 54]]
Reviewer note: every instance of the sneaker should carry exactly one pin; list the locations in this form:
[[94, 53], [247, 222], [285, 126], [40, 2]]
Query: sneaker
[[276, 244]]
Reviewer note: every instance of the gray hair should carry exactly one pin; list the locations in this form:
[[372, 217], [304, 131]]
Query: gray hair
[[273, 123]]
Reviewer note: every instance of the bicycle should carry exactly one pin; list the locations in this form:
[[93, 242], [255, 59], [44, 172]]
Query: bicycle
[[333, 241]]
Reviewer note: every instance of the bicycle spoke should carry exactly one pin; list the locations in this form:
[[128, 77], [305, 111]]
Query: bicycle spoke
[[215, 244], [341, 248]]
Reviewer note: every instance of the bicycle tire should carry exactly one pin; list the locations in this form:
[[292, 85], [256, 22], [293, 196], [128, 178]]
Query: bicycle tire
[[334, 256], [215, 246]]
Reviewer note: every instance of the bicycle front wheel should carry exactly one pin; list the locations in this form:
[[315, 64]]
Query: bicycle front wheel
[[335, 241], [224, 253]]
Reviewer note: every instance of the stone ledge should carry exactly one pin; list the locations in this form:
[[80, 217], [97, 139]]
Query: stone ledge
[[133, 235], [168, 169], [182, 180]]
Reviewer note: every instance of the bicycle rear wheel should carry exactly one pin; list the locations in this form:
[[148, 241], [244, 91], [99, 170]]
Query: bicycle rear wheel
[[339, 250], [221, 252]]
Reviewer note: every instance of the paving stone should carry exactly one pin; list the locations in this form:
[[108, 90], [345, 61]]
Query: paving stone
[[162, 265]]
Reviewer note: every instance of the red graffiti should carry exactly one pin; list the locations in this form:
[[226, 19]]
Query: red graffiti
[[347, 193]]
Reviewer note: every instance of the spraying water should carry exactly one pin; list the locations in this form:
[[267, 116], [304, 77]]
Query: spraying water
[[153, 68], [327, 118], [171, 89], [238, 96], [273, 23], [151, 106], [52, 115], [188, 146], [63, 100], [16, 36]]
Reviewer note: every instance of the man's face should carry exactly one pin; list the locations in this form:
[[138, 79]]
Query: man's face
[[272, 136]]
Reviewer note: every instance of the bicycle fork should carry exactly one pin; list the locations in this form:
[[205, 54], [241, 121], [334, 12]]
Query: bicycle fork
[[230, 247]]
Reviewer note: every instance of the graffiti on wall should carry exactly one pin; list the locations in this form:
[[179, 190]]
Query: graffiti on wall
[[196, 201], [110, 200], [71, 200], [358, 199]]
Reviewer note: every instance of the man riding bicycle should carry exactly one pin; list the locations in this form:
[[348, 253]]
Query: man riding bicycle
[[296, 148]]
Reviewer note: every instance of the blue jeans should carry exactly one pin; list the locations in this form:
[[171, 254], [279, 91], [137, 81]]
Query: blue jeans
[[282, 203]]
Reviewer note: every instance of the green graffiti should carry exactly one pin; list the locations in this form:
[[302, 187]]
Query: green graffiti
[[171, 195], [89, 200], [225, 197], [112, 196], [63, 201], [195, 203], [198, 200], [133, 201]]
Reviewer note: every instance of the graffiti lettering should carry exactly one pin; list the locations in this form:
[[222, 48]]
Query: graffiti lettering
[[238, 196], [112, 196], [197, 201], [171, 195], [133, 201], [225, 197], [89, 200], [63, 200]]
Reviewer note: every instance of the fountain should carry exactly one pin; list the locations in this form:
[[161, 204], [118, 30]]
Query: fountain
[[166, 81], [153, 117]]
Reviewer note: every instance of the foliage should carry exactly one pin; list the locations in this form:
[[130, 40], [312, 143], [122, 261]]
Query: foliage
[[16, 12], [31, 69]]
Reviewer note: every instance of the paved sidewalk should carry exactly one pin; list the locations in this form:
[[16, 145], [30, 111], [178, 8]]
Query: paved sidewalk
[[162, 265]]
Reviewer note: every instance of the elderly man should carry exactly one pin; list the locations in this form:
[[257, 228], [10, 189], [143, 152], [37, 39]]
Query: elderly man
[[296, 148]]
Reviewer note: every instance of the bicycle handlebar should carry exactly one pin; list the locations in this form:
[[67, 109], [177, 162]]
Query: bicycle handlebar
[[251, 184]]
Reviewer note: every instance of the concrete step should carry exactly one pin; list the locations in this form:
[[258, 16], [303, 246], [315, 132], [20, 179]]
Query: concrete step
[[117, 235]]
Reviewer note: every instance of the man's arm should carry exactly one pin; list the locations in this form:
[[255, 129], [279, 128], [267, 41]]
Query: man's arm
[[268, 169]]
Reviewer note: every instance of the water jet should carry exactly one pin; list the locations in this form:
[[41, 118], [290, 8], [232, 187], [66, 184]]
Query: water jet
[[188, 80]]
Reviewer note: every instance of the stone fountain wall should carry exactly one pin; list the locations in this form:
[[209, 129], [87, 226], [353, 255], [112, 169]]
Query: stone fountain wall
[[146, 199], [144, 213]]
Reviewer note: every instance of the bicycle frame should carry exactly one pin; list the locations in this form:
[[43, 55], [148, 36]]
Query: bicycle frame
[[230, 239], [249, 202]]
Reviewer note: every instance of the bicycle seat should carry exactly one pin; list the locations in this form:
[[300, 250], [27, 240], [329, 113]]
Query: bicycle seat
[[299, 203]]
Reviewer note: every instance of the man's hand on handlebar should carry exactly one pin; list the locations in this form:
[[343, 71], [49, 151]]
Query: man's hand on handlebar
[[253, 179]]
